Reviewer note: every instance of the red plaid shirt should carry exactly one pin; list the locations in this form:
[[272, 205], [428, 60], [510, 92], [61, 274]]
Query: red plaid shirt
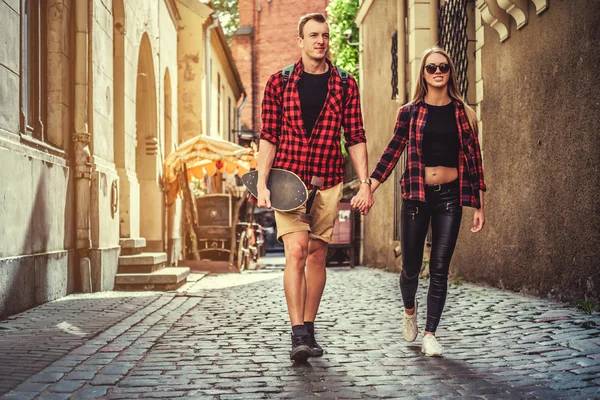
[[321, 153], [470, 169]]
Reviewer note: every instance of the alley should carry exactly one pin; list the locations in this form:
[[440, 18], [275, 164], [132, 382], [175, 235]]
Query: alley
[[226, 337]]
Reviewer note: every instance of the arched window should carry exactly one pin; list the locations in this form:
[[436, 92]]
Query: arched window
[[33, 68]]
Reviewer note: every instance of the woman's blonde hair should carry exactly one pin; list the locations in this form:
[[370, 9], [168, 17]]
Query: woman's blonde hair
[[453, 90]]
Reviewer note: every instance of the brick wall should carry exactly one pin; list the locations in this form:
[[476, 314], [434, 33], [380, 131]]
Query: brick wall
[[265, 44]]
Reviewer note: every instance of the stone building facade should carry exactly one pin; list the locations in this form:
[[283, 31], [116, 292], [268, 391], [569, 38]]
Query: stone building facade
[[88, 112], [527, 68]]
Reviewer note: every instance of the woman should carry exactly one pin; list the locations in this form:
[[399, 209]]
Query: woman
[[444, 174]]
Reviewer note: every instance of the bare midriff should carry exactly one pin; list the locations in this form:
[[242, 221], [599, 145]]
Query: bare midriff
[[439, 175]]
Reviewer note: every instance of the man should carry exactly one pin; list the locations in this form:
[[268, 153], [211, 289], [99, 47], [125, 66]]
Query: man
[[302, 119]]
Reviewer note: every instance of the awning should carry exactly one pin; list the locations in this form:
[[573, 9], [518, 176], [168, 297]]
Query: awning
[[204, 156]]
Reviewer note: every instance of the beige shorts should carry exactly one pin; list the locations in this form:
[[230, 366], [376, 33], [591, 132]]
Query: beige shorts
[[323, 211]]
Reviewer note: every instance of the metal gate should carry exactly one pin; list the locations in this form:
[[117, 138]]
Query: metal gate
[[453, 38]]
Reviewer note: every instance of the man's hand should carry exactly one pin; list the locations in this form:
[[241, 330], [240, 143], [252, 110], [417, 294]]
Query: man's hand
[[264, 198], [478, 221], [363, 201]]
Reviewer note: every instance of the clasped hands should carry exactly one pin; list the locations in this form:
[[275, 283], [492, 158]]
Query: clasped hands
[[363, 200]]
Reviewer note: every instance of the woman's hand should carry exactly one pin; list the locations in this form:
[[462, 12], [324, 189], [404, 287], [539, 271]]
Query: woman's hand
[[478, 220], [363, 201]]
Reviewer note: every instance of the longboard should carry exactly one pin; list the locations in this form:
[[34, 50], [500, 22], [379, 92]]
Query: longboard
[[288, 192]]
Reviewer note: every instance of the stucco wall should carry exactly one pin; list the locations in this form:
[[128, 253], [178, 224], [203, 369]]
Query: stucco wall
[[142, 19], [379, 112], [229, 89], [36, 206], [168, 65], [104, 225], [191, 70], [541, 145], [195, 18], [168, 117]]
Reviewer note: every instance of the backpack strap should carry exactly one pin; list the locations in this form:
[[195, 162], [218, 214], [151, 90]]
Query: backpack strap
[[344, 75], [286, 72]]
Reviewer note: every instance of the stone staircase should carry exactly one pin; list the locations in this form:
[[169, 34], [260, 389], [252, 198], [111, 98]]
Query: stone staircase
[[139, 270]]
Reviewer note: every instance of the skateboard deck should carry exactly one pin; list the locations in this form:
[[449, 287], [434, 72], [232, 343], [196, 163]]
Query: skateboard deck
[[288, 192]]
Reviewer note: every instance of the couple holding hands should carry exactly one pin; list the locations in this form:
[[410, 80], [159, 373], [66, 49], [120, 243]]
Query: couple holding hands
[[303, 115]]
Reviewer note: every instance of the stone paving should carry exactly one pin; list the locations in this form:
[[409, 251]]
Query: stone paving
[[34, 339], [226, 337]]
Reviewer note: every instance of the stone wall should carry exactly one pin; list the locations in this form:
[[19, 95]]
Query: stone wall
[[540, 117], [37, 220], [379, 112], [36, 206]]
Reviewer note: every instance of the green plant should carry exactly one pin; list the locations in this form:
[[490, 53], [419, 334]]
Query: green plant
[[489, 308], [456, 281], [586, 306], [341, 14], [343, 144], [229, 16]]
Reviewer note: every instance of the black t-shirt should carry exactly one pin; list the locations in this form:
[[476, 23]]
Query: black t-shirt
[[312, 90], [440, 138]]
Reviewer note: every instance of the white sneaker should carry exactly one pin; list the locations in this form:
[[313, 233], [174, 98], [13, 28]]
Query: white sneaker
[[409, 325], [431, 347]]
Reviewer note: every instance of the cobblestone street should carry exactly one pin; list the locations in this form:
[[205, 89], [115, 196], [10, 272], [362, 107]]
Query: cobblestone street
[[227, 337]]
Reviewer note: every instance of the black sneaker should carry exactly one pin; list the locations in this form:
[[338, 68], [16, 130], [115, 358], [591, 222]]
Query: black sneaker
[[300, 349], [317, 351]]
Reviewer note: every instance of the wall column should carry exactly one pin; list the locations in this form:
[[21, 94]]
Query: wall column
[[422, 34]]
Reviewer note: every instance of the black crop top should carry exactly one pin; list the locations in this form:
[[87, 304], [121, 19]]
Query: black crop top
[[440, 139]]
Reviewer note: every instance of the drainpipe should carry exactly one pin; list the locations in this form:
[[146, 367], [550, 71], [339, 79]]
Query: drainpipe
[[212, 26], [239, 113], [81, 146]]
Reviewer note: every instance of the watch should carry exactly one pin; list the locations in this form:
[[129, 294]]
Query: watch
[[367, 181]]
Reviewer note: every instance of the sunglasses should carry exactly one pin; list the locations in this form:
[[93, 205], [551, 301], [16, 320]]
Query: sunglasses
[[431, 68]]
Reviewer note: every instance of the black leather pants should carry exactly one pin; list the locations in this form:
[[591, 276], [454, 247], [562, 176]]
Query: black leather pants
[[444, 210]]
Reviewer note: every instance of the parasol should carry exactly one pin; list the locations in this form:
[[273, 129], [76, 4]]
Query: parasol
[[204, 156]]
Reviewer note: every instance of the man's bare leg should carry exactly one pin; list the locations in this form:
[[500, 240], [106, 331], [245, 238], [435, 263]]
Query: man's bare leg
[[316, 277], [294, 284]]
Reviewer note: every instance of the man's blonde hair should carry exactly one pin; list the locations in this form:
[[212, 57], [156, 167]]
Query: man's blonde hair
[[305, 18]]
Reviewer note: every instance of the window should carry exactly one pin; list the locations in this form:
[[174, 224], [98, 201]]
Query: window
[[33, 68]]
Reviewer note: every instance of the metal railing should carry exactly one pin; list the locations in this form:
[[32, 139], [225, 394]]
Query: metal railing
[[395, 65], [453, 22]]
